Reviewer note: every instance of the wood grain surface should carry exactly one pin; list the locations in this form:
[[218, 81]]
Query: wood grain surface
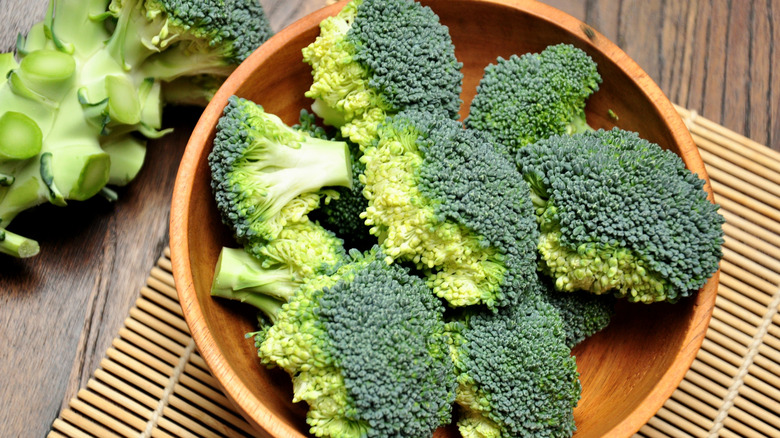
[[60, 310]]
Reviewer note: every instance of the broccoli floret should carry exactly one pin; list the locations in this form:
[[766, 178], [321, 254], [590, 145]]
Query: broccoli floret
[[527, 98], [441, 197], [365, 347], [87, 90], [619, 214], [259, 165], [378, 57], [516, 376]]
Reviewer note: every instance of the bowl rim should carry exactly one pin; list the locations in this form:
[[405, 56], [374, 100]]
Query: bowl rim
[[243, 399]]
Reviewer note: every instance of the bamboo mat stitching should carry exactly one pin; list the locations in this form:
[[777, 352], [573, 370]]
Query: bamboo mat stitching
[[153, 382]]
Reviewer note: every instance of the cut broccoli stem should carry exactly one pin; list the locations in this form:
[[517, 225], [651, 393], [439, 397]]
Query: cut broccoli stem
[[16, 245], [6, 180], [21, 137], [239, 276], [46, 73], [123, 104]]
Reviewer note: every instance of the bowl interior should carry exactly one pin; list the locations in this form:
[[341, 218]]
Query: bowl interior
[[627, 370]]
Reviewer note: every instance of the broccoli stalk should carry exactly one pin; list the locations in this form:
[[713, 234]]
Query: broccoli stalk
[[16, 245]]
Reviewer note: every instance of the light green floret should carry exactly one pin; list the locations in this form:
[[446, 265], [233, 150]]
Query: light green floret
[[443, 198], [259, 165], [376, 58]]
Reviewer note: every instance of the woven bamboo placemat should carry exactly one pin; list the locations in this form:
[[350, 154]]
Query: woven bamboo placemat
[[153, 383]]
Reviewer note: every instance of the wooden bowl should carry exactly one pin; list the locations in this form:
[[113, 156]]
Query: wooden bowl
[[628, 370]]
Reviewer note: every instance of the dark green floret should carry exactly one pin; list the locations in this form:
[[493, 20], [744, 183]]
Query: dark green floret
[[620, 215], [376, 58], [441, 197], [260, 166], [516, 377], [583, 314], [366, 349], [526, 98]]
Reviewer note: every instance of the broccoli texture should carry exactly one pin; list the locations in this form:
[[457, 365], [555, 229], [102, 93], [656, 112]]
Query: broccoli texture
[[365, 347], [377, 58], [442, 197], [85, 91], [261, 167], [516, 377], [583, 314], [619, 214], [527, 98]]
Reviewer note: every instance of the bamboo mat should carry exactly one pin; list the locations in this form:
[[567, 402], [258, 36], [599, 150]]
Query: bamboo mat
[[153, 383]]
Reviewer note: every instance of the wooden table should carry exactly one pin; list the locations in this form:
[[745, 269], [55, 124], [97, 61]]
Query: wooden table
[[60, 310]]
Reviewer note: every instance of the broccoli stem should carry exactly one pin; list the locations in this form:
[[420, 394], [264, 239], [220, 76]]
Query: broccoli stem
[[22, 137], [239, 276], [16, 245]]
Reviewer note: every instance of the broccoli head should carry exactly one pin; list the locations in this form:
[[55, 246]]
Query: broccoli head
[[619, 214], [259, 165], [527, 98], [441, 197], [378, 57], [516, 376], [366, 349]]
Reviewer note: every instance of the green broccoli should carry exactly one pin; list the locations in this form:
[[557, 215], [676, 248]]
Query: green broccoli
[[527, 98], [86, 91], [441, 197], [364, 345], [516, 376], [341, 213], [619, 214], [265, 173], [378, 57], [583, 314]]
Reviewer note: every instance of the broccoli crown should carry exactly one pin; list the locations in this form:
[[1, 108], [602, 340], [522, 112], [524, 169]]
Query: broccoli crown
[[516, 377], [620, 214], [366, 348], [377, 58], [259, 165], [527, 98], [442, 197]]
